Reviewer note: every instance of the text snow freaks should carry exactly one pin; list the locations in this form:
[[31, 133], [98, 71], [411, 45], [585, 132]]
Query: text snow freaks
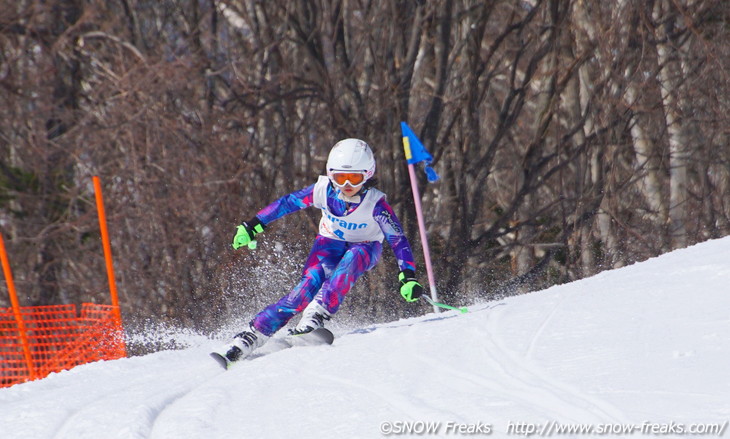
[[435, 428]]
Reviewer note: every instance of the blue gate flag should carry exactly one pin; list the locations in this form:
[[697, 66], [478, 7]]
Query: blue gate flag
[[416, 152]]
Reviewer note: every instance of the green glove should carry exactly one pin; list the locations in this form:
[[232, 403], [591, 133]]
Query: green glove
[[246, 233], [410, 289]]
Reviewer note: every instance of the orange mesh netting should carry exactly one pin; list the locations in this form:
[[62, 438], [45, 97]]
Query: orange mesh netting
[[57, 338]]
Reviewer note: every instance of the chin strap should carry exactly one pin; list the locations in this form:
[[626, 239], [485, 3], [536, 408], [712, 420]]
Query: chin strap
[[356, 199]]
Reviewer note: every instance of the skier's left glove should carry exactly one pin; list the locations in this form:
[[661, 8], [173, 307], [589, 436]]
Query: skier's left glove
[[246, 233], [410, 289]]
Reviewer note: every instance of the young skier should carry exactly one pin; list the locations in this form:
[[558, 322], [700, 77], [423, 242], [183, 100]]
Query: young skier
[[355, 220]]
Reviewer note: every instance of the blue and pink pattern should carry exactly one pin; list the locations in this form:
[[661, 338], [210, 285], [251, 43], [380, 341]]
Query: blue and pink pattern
[[333, 266], [330, 271], [383, 214]]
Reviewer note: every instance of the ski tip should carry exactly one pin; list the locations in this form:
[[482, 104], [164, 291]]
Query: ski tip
[[325, 335], [315, 336], [220, 359]]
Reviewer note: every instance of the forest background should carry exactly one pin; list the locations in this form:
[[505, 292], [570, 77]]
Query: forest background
[[571, 136]]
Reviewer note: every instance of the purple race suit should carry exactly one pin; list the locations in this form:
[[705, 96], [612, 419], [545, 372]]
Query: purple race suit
[[343, 249]]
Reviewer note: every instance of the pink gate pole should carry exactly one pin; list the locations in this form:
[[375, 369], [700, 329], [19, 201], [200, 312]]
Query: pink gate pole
[[421, 225]]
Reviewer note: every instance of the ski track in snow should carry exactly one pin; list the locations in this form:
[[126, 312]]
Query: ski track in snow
[[198, 404], [538, 333], [130, 421], [529, 376], [502, 373], [624, 346]]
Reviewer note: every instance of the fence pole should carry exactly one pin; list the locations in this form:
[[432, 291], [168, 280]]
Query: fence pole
[[108, 257], [16, 310]]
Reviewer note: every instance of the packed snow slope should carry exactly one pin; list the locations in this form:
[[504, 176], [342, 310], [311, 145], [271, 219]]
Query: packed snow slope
[[643, 350]]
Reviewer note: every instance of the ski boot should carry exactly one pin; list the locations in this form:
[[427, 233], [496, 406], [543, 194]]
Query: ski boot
[[242, 346], [313, 317]]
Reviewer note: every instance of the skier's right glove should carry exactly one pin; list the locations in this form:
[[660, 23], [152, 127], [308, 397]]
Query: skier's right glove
[[410, 289], [246, 233]]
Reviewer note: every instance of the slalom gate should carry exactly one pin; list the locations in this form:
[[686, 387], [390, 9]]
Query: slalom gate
[[56, 338]]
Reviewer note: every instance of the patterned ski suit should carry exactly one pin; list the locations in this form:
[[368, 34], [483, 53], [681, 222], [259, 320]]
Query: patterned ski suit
[[349, 243]]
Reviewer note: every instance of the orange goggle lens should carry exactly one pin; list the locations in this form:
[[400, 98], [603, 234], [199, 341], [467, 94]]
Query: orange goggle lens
[[354, 178]]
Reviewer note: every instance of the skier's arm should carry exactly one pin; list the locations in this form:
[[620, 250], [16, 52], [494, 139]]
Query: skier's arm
[[393, 231], [410, 289], [247, 231], [287, 204]]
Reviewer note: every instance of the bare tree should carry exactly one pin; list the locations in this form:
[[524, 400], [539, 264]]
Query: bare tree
[[571, 137]]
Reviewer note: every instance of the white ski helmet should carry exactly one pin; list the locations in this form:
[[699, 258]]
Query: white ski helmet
[[351, 155]]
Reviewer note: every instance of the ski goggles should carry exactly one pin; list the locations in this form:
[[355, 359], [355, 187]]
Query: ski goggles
[[355, 179]]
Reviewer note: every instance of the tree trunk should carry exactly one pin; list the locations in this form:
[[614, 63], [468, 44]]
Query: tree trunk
[[671, 92]]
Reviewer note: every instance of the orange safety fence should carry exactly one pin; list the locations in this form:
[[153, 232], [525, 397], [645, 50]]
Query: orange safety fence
[[58, 338], [39, 340]]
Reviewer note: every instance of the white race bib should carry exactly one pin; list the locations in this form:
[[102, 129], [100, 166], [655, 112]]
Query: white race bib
[[357, 226]]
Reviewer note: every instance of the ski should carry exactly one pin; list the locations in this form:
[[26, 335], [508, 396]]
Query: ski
[[220, 359], [320, 336], [316, 337]]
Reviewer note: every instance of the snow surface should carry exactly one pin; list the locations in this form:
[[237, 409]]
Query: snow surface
[[644, 347]]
